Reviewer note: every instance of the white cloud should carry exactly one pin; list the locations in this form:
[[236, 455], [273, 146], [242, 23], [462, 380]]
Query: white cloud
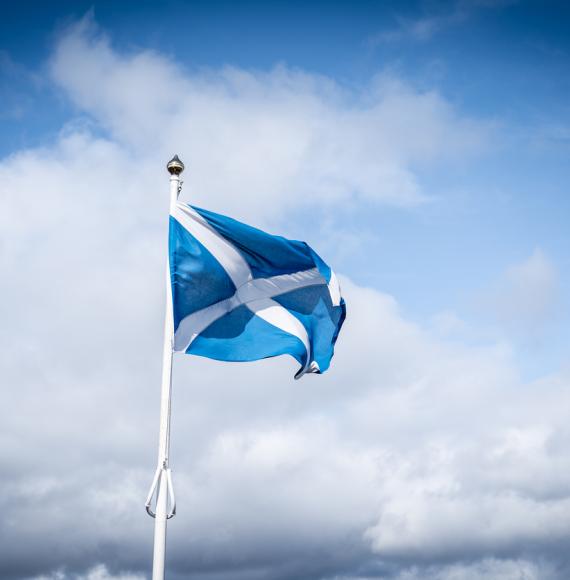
[[257, 142]]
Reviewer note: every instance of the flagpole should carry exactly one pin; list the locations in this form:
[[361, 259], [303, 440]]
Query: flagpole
[[162, 482]]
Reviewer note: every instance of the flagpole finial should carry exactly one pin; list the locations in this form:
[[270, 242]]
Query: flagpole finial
[[175, 166]]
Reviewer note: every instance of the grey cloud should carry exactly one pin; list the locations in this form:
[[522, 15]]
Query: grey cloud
[[98, 572]]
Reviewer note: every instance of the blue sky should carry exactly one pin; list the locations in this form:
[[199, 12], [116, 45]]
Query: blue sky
[[422, 147]]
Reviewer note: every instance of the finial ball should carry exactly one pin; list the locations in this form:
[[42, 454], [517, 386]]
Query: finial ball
[[175, 166]]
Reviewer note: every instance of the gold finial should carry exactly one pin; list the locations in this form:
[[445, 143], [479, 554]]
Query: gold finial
[[175, 166]]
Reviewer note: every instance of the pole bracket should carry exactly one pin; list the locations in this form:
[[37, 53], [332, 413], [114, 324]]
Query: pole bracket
[[166, 472]]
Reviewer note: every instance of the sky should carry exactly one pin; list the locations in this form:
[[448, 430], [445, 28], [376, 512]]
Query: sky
[[422, 148]]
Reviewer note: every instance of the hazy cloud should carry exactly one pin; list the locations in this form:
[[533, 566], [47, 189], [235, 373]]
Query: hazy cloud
[[525, 299], [436, 19]]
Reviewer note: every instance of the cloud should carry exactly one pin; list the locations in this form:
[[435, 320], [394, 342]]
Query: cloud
[[416, 456], [483, 570], [525, 299], [433, 22], [17, 88], [98, 572], [278, 139]]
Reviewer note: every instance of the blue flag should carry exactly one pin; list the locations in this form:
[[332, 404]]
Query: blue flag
[[240, 294]]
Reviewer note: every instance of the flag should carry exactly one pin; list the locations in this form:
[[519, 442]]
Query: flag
[[240, 294]]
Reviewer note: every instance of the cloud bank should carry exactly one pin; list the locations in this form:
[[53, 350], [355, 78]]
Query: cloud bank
[[415, 457], [279, 139]]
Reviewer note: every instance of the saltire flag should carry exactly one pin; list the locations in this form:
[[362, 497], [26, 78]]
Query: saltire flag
[[240, 294]]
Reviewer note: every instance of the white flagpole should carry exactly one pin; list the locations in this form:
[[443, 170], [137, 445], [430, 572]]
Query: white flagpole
[[162, 482]]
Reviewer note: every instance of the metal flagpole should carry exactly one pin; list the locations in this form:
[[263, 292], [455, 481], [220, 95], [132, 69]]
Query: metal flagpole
[[162, 482]]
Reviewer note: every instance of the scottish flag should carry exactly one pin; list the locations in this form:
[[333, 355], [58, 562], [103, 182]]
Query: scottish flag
[[240, 294]]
